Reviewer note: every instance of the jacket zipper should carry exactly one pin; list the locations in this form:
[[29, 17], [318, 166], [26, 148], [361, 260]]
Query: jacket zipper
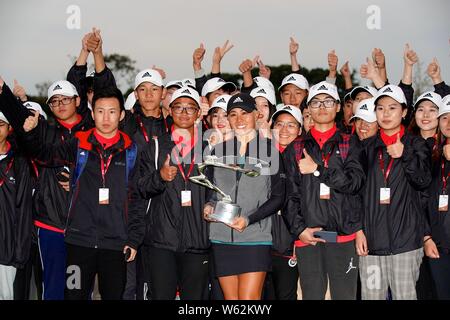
[[388, 216]]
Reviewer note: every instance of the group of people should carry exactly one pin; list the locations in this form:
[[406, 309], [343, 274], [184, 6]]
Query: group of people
[[337, 188]]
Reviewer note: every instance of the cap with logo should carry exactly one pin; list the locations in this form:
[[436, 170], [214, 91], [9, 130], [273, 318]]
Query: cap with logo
[[243, 101], [366, 110], [148, 75], [296, 79], [323, 87], [264, 83], [186, 92], [188, 82], [36, 107], [393, 91], [217, 83], [430, 96], [220, 102], [175, 84], [445, 105], [370, 90], [293, 111], [63, 88], [267, 93]]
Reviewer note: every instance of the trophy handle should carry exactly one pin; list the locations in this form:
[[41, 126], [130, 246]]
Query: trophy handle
[[204, 181]]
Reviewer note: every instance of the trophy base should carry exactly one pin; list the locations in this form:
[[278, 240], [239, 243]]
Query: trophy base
[[225, 212]]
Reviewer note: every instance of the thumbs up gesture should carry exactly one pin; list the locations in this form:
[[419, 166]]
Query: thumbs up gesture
[[19, 91], [396, 150], [168, 172], [307, 164], [197, 57], [410, 56], [31, 122]]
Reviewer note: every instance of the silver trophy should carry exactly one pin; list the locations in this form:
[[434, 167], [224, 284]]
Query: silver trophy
[[225, 210]]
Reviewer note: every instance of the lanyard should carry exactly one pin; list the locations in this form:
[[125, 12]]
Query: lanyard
[[326, 158], [191, 166], [381, 162], [444, 178], [8, 167], [35, 169], [104, 167], [144, 131]]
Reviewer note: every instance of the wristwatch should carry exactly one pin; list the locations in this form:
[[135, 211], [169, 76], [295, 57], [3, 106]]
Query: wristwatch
[[316, 173]]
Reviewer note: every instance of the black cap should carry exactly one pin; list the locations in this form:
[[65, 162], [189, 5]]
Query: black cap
[[243, 101]]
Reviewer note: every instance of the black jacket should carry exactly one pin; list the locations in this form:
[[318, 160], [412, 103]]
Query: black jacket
[[15, 211], [90, 224], [169, 225], [397, 227], [341, 213]]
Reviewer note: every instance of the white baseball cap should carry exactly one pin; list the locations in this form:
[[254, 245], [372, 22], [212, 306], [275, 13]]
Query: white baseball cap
[[36, 107], [445, 105], [62, 87], [293, 111], [264, 82], [220, 102], [174, 83], [188, 82], [266, 92], [131, 101], [323, 87], [186, 92], [366, 110], [297, 80], [148, 75], [430, 96], [3, 118], [393, 91], [215, 84], [370, 90]]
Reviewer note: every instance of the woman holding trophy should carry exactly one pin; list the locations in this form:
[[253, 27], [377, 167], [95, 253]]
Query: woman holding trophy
[[247, 176]]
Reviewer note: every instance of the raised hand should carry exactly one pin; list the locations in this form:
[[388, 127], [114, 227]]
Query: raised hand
[[219, 52], [293, 46], [409, 56], [31, 122], [167, 171], [94, 42], [332, 62], [396, 150], [434, 71], [160, 71], [307, 164], [264, 71], [246, 66], [379, 58], [197, 57], [19, 91], [345, 70]]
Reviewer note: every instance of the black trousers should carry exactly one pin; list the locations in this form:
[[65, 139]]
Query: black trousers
[[440, 270], [169, 271], [333, 262], [281, 283], [22, 281], [82, 266]]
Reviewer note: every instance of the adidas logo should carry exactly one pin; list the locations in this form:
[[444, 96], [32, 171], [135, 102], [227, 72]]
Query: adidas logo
[[292, 78], [179, 83], [238, 99], [364, 107], [186, 91], [262, 91], [82, 153], [287, 108], [323, 87], [57, 87], [448, 103], [221, 100], [428, 95], [27, 105], [188, 81], [220, 80], [147, 74], [387, 90]]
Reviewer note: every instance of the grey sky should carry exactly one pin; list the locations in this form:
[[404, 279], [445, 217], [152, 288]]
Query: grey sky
[[36, 42]]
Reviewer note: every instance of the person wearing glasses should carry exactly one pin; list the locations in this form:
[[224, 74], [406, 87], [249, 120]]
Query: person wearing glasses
[[177, 235], [324, 176], [52, 190]]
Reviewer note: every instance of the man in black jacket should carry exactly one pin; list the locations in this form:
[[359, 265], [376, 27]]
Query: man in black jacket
[[100, 229], [177, 234]]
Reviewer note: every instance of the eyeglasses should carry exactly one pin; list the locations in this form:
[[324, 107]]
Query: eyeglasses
[[328, 103], [290, 125], [189, 110], [64, 101]]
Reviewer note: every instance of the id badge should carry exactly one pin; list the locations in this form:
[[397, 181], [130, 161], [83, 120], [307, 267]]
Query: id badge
[[385, 195], [324, 191], [103, 196], [443, 202], [186, 198]]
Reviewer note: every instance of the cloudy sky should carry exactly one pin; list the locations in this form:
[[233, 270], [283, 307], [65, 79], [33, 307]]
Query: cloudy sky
[[36, 42]]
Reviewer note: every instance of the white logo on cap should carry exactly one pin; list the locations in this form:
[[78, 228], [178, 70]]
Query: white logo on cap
[[187, 91], [221, 100], [147, 74], [238, 99], [292, 78], [322, 87], [428, 95], [57, 87], [387, 90], [364, 107], [262, 91]]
